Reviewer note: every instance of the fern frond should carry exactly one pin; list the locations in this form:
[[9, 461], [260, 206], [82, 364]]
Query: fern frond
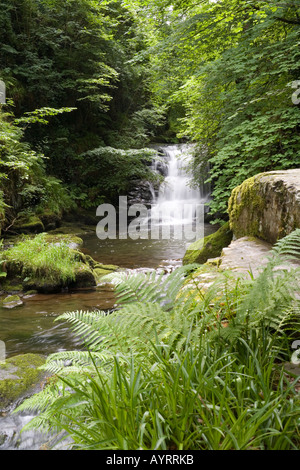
[[288, 247], [149, 286]]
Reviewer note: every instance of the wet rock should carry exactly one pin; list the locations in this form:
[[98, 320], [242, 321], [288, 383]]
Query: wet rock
[[12, 301], [17, 376], [84, 276], [101, 270], [141, 193]]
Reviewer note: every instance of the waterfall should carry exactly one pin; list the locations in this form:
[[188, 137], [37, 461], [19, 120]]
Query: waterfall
[[176, 201]]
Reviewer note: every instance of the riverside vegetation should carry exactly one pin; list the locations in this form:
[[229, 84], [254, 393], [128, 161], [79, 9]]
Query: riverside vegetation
[[90, 86], [175, 367]]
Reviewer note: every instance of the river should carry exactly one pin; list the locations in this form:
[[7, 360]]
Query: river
[[30, 328]]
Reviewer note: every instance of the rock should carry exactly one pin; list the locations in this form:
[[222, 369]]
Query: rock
[[17, 376], [12, 301], [209, 247], [142, 192], [245, 255], [84, 276], [50, 220], [72, 241], [27, 225], [266, 206]]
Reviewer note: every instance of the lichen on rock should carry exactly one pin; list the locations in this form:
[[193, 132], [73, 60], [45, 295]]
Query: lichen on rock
[[266, 206], [18, 375]]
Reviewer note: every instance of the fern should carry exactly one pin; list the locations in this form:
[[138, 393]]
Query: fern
[[174, 315], [150, 286]]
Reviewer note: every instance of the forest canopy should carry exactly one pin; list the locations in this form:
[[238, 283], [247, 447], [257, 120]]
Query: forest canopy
[[223, 75]]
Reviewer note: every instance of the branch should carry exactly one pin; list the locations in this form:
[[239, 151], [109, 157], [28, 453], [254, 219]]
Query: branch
[[285, 20]]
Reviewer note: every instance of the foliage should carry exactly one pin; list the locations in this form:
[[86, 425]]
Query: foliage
[[169, 375], [105, 173], [24, 182], [42, 260], [229, 65], [76, 55]]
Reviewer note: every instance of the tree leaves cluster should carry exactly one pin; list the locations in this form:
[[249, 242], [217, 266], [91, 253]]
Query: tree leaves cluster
[[77, 54], [229, 67]]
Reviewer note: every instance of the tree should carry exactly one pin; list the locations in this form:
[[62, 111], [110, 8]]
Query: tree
[[230, 66]]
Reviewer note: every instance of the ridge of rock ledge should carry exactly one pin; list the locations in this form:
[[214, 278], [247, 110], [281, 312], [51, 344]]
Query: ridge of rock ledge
[[245, 255]]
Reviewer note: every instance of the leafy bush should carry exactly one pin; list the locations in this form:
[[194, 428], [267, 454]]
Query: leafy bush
[[105, 173], [25, 185]]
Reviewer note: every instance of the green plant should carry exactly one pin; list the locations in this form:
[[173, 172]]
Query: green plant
[[42, 260], [162, 371]]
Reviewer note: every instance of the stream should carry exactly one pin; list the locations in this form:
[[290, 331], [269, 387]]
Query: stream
[[30, 328]]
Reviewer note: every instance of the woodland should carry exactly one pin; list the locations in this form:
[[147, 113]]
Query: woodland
[[91, 85]]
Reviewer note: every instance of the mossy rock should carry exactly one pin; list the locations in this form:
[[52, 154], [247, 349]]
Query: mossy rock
[[84, 276], [27, 225], [266, 206], [72, 229], [12, 286], [17, 377], [101, 270], [42, 286], [12, 301], [208, 247], [198, 282], [107, 267], [50, 220], [71, 240]]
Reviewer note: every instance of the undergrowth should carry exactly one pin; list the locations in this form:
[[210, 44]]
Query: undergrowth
[[166, 371]]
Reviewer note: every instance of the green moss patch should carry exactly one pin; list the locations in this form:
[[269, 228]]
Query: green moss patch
[[30, 224], [17, 376], [245, 208], [12, 301], [208, 247], [48, 264]]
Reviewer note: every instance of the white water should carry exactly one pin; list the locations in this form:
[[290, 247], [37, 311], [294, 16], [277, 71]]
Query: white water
[[177, 201]]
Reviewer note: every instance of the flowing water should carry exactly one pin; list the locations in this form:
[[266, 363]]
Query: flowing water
[[30, 328]]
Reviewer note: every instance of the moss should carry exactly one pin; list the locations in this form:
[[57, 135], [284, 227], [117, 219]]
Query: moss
[[12, 300], [11, 286], [72, 229], [208, 247], [71, 240], [245, 208], [84, 276], [107, 267], [30, 224], [17, 375], [265, 206], [50, 219]]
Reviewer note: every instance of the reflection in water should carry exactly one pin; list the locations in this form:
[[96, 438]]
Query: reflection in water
[[30, 328]]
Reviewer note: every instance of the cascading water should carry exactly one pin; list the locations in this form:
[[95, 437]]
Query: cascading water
[[173, 195], [176, 201]]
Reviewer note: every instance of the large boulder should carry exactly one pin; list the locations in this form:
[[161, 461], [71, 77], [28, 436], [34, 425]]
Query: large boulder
[[266, 206]]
